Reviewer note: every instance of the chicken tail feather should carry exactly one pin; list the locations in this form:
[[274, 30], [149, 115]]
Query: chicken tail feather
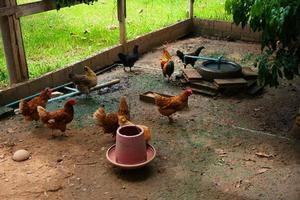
[[23, 106], [124, 108], [122, 56], [99, 115], [180, 55], [42, 112]]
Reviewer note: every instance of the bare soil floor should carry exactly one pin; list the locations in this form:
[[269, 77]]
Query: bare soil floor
[[235, 147]]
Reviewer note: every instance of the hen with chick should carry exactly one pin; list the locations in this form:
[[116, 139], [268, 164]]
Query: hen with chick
[[60, 118], [189, 60], [130, 59], [109, 121], [29, 108], [84, 82], [169, 105]]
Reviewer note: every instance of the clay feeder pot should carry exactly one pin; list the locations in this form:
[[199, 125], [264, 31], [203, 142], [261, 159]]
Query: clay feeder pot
[[130, 145], [130, 150]]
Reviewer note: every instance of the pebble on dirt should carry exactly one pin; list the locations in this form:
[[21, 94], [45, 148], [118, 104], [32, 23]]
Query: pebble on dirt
[[21, 155]]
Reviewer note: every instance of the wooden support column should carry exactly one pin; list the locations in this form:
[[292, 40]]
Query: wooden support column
[[191, 9], [122, 24], [13, 45]]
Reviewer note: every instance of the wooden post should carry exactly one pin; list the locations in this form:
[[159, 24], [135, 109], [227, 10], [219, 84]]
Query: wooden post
[[191, 9], [121, 18], [13, 45]]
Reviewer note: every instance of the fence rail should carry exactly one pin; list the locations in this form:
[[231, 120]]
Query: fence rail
[[29, 8], [10, 14]]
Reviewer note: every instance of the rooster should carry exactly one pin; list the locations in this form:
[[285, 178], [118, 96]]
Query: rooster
[[130, 59], [169, 105], [84, 82], [109, 121], [29, 108], [58, 119], [188, 60], [167, 65]]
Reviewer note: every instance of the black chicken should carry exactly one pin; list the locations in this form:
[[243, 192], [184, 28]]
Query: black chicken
[[168, 69], [130, 59], [189, 60]]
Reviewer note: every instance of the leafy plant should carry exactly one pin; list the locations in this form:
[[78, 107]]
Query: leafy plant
[[64, 3], [279, 22]]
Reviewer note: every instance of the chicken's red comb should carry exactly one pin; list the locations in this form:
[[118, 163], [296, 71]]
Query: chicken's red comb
[[71, 101], [189, 90]]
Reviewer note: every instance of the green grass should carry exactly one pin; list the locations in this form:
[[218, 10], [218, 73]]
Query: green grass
[[55, 39]]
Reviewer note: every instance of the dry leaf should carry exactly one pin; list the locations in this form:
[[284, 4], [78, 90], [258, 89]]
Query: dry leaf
[[260, 154], [237, 144], [238, 183], [262, 170], [220, 151], [249, 159]]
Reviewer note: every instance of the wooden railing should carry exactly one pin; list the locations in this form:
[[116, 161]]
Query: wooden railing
[[10, 14]]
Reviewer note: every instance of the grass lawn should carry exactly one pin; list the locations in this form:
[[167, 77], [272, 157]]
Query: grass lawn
[[55, 39]]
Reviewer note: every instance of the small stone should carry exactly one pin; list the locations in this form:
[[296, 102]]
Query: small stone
[[6, 180], [59, 160], [123, 187], [103, 148], [105, 193], [84, 189], [21, 155], [10, 130]]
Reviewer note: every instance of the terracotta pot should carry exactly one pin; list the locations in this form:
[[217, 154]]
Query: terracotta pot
[[130, 145]]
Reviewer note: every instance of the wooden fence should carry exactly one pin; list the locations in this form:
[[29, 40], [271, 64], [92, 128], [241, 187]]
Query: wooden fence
[[10, 14], [16, 60]]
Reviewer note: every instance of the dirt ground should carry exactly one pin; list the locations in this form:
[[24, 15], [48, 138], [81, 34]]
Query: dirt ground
[[235, 147]]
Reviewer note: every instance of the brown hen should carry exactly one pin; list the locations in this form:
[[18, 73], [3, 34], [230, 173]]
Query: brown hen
[[29, 108], [60, 118], [169, 105], [109, 122]]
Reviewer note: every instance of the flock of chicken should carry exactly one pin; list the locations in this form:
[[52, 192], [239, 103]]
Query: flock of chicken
[[35, 108]]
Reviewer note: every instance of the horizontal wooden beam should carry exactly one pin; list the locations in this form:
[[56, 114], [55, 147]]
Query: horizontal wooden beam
[[35, 7], [5, 11], [29, 8]]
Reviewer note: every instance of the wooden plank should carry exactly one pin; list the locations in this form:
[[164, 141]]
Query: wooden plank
[[249, 73], [191, 74], [191, 9], [13, 45], [201, 84], [204, 87], [233, 82], [29, 8], [6, 112], [35, 7], [206, 92], [8, 10], [122, 23]]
